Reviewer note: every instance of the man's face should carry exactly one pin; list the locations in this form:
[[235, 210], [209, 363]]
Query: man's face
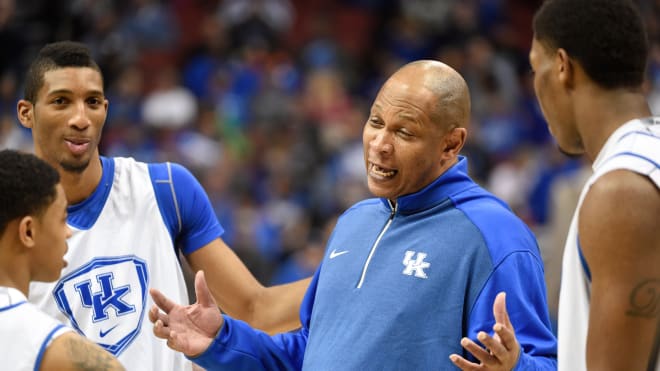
[[554, 98], [51, 233], [402, 145], [67, 117]]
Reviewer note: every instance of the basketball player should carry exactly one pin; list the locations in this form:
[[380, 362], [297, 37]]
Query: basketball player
[[589, 59], [129, 222], [33, 235]]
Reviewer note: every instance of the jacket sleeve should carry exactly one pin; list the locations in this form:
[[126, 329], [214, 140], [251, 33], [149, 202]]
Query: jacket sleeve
[[520, 275], [240, 347]]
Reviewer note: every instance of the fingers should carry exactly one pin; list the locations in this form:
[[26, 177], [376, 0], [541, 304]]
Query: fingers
[[204, 297], [477, 351], [499, 310], [496, 348], [507, 336], [463, 363], [161, 331], [161, 300], [493, 355], [503, 327], [500, 350], [155, 314]]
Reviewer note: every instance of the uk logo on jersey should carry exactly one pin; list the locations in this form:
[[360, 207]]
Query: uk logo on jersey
[[105, 299]]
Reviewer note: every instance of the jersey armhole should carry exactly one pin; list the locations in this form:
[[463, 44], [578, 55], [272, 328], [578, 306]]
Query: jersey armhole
[[161, 179], [49, 338]]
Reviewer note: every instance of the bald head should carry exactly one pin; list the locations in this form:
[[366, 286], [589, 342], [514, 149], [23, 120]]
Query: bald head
[[450, 106], [416, 128]]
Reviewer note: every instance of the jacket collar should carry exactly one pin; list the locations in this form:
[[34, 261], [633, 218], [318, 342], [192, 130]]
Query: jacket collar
[[449, 183]]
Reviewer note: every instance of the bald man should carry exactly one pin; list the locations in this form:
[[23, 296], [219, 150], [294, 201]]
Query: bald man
[[409, 276]]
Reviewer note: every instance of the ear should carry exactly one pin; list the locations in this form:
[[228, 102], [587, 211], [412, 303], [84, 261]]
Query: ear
[[25, 110], [26, 230], [454, 141], [565, 69]]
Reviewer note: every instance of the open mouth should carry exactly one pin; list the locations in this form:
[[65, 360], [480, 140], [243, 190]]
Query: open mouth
[[77, 146], [381, 172]]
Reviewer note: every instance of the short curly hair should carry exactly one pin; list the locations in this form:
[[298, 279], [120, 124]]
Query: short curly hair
[[60, 54], [27, 186], [607, 38]]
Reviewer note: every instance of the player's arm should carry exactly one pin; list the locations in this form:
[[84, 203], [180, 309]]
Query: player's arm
[[235, 289], [239, 294], [620, 240], [72, 352]]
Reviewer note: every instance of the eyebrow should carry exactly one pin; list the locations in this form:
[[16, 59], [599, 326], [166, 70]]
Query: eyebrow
[[376, 106], [68, 91], [408, 117]]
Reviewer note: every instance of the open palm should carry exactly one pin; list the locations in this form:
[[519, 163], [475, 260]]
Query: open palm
[[188, 329]]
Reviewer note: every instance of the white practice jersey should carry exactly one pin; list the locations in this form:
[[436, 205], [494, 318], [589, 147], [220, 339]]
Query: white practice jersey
[[121, 246], [25, 332], [635, 146]]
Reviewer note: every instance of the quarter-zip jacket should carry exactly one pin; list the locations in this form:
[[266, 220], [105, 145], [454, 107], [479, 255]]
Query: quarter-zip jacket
[[400, 286]]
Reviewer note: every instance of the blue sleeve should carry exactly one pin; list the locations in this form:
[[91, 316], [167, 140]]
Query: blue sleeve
[[240, 347], [185, 207], [520, 275]]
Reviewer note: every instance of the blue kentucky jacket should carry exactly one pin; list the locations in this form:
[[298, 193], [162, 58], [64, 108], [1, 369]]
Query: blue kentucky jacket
[[400, 286]]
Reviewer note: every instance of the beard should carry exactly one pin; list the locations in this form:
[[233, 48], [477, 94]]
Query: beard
[[74, 167]]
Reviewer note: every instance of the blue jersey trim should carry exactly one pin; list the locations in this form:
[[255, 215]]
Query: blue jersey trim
[[184, 207], [640, 133], [583, 260], [12, 306], [84, 214], [635, 155], [42, 349], [161, 179]]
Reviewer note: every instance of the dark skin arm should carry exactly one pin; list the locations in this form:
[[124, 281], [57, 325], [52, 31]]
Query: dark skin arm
[[72, 352], [619, 229]]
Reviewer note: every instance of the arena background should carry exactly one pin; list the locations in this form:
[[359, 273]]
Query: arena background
[[264, 100]]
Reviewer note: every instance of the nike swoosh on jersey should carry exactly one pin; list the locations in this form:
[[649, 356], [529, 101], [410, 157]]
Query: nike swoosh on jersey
[[334, 253], [105, 333]]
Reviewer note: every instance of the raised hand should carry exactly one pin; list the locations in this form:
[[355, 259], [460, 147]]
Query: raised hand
[[188, 329], [501, 351]]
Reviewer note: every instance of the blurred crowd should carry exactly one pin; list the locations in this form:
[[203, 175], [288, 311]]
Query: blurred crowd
[[265, 100]]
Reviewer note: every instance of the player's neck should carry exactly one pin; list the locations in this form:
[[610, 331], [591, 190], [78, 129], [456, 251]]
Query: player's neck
[[79, 186], [602, 112], [13, 272]]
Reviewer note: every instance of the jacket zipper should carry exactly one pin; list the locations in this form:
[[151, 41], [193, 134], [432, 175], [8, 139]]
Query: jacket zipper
[[373, 248]]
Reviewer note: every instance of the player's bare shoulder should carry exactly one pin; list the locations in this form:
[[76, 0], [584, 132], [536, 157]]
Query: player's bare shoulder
[[618, 229], [622, 203], [73, 352], [623, 196]]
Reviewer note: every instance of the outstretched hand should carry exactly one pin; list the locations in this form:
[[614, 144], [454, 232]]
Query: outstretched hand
[[188, 329], [501, 351]]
